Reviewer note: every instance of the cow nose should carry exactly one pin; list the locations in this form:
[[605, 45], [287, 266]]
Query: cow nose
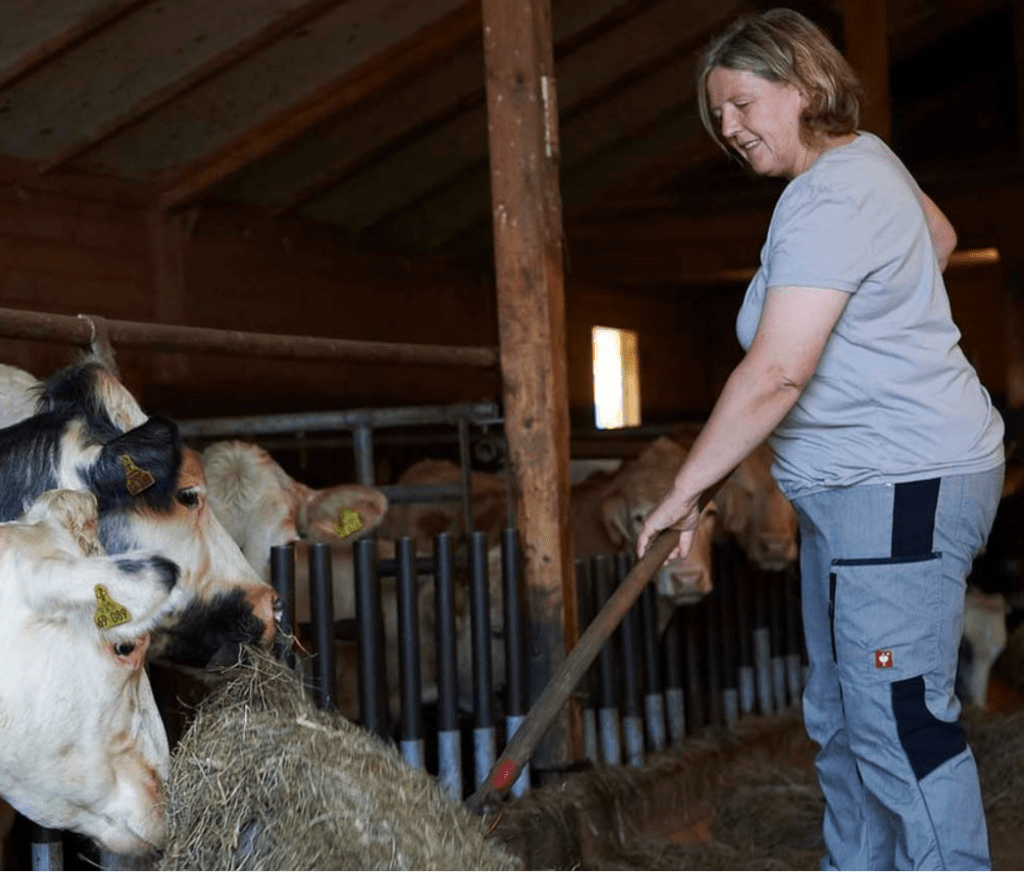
[[265, 606]]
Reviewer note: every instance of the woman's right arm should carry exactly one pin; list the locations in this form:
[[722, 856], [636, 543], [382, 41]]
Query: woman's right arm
[[795, 326]]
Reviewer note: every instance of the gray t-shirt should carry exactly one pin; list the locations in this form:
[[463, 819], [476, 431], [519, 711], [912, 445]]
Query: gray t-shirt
[[893, 398]]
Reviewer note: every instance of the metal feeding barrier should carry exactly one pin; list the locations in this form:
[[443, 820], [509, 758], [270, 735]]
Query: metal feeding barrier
[[640, 695]]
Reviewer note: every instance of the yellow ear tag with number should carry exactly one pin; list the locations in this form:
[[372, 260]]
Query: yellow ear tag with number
[[135, 479], [348, 523], [109, 612]]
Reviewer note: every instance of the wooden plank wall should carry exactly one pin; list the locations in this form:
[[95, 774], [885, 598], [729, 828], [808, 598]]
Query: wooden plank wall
[[84, 246]]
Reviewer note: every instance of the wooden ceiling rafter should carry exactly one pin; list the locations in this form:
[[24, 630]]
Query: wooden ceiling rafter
[[461, 197], [246, 48], [463, 104], [101, 17], [399, 62], [336, 174]]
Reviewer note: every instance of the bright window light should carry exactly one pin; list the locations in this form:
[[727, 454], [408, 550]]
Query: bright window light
[[616, 378]]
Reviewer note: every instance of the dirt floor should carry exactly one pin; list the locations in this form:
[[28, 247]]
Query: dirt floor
[[746, 800]]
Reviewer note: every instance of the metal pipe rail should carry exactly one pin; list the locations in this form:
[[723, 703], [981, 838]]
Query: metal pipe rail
[[83, 330], [481, 413]]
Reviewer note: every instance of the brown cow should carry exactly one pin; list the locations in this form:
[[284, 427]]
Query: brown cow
[[606, 513]]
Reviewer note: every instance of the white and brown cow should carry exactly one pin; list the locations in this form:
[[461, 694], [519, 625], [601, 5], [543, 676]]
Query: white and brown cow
[[82, 746], [261, 505], [89, 433], [607, 512]]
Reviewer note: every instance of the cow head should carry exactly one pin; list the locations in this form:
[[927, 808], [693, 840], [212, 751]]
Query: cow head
[[260, 505], [82, 746], [754, 511], [620, 502], [90, 434]]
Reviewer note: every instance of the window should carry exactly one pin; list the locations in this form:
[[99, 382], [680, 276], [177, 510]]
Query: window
[[616, 378]]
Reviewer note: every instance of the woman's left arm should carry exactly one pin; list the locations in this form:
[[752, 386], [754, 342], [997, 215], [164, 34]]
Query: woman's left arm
[[939, 228]]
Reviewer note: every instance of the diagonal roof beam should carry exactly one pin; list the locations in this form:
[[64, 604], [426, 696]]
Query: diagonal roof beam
[[268, 34], [99, 18], [405, 58], [473, 99]]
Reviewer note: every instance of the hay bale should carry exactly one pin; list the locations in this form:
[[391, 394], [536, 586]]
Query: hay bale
[[263, 780]]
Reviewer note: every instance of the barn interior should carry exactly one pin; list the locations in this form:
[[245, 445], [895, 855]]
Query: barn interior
[[327, 169]]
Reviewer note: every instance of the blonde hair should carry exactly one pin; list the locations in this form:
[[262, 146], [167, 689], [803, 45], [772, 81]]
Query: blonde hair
[[781, 45]]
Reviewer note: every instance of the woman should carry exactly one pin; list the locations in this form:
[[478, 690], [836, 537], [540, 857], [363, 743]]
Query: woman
[[884, 440]]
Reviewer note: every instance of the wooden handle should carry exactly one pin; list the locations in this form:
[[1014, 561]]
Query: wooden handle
[[577, 662]]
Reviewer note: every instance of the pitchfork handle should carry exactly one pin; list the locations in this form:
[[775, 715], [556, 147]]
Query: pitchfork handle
[[519, 750]]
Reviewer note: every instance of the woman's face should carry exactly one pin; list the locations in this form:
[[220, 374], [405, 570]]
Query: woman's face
[[760, 120]]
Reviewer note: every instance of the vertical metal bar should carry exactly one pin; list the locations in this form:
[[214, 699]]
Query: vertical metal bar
[[777, 624], [794, 637], [47, 848], [762, 647], [321, 600], [654, 700], [726, 587], [484, 749], [708, 608], [371, 663], [362, 448], [675, 699], [585, 602], [744, 631], [694, 691], [608, 702], [515, 673], [629, 646], [407, 588], [282, 579], [449, 748]]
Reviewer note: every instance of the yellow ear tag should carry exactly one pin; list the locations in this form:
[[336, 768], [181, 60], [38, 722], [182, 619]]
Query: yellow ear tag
[[135, 479], [348, 523], [109, 613]]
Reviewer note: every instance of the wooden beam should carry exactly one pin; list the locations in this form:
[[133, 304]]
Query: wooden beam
[[522, 111], [867, 50], [93, 21], [263, 37], [406, 58]]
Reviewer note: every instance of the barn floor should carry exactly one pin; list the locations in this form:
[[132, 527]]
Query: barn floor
[[746, 800]]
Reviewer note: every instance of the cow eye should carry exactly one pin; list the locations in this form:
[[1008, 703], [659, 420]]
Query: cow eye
[[189, 497], [123, 649]]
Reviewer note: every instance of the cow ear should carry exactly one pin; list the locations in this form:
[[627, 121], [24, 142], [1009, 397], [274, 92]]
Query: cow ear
[[615, 519], [342, 512], [143, 463]]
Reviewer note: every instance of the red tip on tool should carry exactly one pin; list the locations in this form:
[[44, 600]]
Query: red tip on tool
[[504, 774]]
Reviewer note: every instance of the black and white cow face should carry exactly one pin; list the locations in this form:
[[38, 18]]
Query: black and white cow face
[[90, 434], [82, 745]]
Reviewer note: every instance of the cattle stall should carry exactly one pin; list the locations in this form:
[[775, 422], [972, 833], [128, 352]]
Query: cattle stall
[[624, 667]]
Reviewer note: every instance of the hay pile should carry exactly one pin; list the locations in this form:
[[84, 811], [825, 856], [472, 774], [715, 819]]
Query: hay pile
[[263, 780]]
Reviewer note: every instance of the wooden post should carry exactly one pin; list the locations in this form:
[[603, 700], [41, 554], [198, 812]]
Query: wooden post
[[527, 216], [867, 50]]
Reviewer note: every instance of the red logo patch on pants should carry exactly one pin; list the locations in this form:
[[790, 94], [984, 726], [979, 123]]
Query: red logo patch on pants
[[883, 659]]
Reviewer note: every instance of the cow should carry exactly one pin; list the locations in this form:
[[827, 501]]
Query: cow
[[983, 641], [755, 513], [607, 511], [261, 505], [82, 745], [89, 433]]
